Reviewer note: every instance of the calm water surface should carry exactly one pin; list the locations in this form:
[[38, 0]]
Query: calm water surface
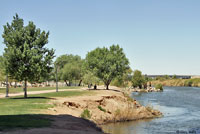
[[181, 109]]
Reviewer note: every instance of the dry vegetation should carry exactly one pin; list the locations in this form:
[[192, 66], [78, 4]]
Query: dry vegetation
[[178, 82]]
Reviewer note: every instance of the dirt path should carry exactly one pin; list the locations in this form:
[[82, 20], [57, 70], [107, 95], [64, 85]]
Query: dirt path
[[51, 91], [40, 92]]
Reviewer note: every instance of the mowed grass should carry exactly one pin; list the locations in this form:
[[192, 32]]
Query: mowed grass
[[17, 112], [20, 89]]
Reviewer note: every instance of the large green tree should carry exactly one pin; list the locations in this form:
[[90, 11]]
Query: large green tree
[[27, 58], [69, 68], [138, 79], [71, 71], [62, 60], [89, 78], [107, 63], [123, 80]]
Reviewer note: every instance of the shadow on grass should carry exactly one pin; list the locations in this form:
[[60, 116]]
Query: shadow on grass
[[12, 123], [8, 122]]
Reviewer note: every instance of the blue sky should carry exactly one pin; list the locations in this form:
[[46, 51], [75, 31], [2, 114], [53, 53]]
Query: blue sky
[[158, 36]]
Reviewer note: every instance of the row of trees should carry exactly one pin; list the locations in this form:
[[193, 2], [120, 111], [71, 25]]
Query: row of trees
[[27, 59], [103, 64]]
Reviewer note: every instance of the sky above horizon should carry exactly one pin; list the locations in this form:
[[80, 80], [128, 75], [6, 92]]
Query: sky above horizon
[[158, 37]]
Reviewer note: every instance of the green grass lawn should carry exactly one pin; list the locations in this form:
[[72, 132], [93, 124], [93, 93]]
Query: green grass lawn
[[17, 112], [20, 89]]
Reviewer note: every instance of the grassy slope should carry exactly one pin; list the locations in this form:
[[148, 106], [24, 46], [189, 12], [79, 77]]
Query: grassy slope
[[18, 112], [20, 89]]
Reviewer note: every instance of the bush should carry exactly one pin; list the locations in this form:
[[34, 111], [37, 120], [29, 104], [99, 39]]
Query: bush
[[129, 98], [188, 83], [102, 109], [159, 86], [86, 114]]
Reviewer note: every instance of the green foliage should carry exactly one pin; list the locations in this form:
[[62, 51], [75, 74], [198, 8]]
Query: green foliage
[[69, 68], [123, 80], [159, 86], [117, 112], [27, 58], [138, 79], [166, 77], [192, 82], [71, 71], [102, 109], [188, 83], [161, 78], [107, 63], [86, 114], [62, 60], [2, 69], [174, 76], [89, 78], [129, 98]]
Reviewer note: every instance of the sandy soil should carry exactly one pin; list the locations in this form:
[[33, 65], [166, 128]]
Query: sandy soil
[[117, 106]]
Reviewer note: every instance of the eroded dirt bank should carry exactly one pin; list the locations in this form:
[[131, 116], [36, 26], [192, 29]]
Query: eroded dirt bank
[[104, 106]]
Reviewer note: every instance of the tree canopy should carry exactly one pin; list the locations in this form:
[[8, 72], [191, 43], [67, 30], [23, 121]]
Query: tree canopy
[[138, 79], [2, 69], [69, 68], [27, 58], [71, 71], [107, 63]]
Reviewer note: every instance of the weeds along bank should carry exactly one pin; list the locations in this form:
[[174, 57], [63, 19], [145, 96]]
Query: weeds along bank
[[178, 82], [103, 107]]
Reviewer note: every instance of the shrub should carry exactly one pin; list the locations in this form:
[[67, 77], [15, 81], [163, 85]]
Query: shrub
[[86, 114], [102, 109], [128, 97], [159, 86], [117, 112], [188, 83]]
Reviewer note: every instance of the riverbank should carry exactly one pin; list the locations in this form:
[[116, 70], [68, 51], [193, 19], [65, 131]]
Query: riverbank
[[105, 106], [178, 82]]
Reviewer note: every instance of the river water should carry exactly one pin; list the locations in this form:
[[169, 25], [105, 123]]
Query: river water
[[181, 109]]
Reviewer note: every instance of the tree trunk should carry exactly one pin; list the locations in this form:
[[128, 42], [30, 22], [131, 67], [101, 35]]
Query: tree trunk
[[107, 86], [15, 84], [66, 83], [80, 83], [25, 89], [10, 84], [7, 86]]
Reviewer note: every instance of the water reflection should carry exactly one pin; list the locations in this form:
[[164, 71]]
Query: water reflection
[[127, 127]]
